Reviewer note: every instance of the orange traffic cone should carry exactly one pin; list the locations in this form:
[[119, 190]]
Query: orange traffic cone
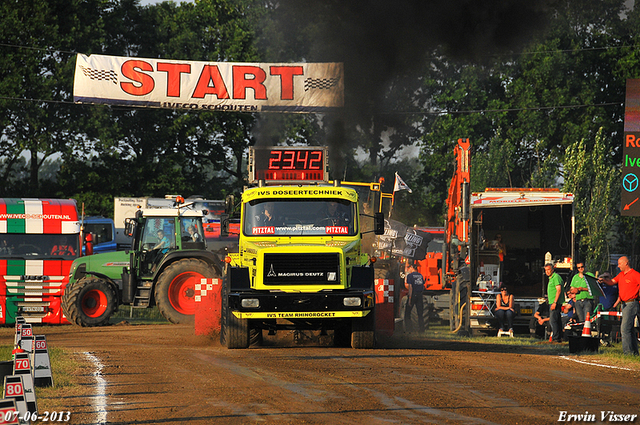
[[586, 329], [18, 349]]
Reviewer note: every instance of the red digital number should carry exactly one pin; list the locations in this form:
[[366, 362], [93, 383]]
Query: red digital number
[[273, 160], [290, 160], [304, 160], [26, 332], [41, 345], [317, 160]]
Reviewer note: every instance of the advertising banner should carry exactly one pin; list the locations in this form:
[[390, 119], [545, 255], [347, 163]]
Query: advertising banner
[[212, 86], [403, 241], [630, 206]]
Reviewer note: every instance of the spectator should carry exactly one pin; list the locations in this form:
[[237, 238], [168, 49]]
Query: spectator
[[540, 320], [628, 281], [568, 314], [414, 282], [502, 250], [610, 290], [504, 309], [583, 295], [556, 298]]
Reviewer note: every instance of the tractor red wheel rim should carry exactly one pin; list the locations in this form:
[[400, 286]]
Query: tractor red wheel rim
[[94, 303], [182, 292]]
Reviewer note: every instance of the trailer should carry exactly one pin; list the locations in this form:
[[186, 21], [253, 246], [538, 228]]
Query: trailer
[[536, 226]]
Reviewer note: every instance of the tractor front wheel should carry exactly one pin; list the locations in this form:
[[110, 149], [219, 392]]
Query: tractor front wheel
[[89, 301]]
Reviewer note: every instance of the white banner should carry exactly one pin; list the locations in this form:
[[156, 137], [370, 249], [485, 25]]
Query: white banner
[[214, 86]]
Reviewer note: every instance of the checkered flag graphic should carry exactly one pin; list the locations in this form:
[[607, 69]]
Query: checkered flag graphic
[[320, 83], [100, 74]]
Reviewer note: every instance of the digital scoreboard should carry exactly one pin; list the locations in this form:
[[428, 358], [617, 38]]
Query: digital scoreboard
[[288, 164]]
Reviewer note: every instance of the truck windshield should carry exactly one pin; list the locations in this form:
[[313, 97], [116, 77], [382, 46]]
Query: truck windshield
[[40, 246], [300, 217]]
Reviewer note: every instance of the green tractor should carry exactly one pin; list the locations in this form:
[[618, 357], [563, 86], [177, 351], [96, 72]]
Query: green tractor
[[168, 257]]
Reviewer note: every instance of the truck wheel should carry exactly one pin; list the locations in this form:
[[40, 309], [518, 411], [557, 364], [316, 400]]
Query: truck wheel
[[237, 332], [363, 334], [175, 289], [342, 336], [224, 308], [89, 301]]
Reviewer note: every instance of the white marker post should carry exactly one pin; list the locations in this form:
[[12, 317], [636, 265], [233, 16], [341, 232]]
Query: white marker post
[[14, 389], [41, 362], [22, 367]]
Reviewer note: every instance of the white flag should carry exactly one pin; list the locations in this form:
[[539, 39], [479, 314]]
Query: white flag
[[400, 184]]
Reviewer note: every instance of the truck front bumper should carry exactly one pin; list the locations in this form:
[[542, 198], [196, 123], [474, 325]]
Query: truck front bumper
[[305, 306]]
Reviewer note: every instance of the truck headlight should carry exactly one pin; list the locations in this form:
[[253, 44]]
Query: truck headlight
[[250, 303], [352, 302]]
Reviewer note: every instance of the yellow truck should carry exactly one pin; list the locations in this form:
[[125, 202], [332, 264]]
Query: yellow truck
[[300, 264]]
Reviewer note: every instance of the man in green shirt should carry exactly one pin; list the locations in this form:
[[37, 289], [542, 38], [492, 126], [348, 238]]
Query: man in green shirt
[[584, 297], [555, 295]]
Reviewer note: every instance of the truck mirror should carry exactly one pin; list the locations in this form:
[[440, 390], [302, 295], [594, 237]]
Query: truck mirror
[[378, 223], [228, 205], [224, 225]]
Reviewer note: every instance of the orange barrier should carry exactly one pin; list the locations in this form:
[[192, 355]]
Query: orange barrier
[[207, 300], [385, 321]]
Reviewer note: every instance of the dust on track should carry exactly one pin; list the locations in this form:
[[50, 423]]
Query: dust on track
[[165, 374]]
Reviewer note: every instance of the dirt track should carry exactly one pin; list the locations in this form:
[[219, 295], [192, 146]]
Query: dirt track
[[164, 374]]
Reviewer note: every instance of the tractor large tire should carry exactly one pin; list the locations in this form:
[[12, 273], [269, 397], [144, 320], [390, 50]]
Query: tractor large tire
[[175, 289], [89, 301], [363, 333]]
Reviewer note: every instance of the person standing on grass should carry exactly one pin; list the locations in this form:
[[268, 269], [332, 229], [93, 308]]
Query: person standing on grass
[[628, 281], [555, 295], [584, 297], [414, 282]]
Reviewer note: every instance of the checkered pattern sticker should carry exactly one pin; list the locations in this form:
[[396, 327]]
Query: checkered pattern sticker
[[384, 287], [100, 74], [320, 83], [204, 286]]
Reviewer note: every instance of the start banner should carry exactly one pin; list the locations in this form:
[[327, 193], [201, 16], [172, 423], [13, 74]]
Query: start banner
[[213, 86]]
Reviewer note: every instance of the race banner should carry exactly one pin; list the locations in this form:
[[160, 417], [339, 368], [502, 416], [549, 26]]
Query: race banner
[[212, 86], [403, 241]]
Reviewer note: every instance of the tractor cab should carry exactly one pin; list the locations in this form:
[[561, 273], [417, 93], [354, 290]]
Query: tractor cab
[[159, 232]]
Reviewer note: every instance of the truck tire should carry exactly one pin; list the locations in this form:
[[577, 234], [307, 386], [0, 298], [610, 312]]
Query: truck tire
[[224, 309], [342, 335], [234, 332], [175, 289], [238, 333], [89, 301], [363, 332]]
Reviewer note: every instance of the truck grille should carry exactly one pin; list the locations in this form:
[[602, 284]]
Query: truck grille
[[301, 269]]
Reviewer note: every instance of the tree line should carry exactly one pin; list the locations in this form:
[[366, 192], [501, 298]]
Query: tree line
[[538, 89]]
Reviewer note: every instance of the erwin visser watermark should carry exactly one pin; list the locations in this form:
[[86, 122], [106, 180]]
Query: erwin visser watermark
[[604, 416]]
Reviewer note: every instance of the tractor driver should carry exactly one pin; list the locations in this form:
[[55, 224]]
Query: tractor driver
[[163, 242]]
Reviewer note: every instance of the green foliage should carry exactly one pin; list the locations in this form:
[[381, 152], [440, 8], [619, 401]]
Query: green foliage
[[526, 94], [595, 182]]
